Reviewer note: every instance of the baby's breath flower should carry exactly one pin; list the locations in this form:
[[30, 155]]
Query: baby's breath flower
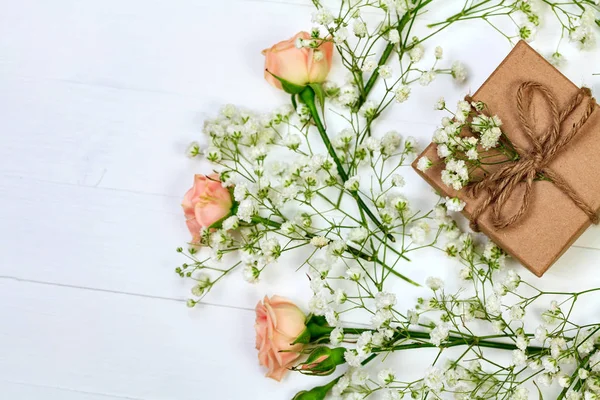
[[459, 72], [402, 94], [440, 104], [231, 223], [385, 71], [455, 204], [358, 235], [398, 180], [369, 65], [426, 78], [416, 53], [213, 154], [322, 17], [434, 283], [439, 52], [319, 241], [386, 376], [193, 150], [393, 36], [359, 28], [352, 184], [336, 336], [424, 164]]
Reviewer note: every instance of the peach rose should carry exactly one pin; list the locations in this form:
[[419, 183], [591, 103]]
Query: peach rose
[[297, 66], [278, 323], [205, 203]]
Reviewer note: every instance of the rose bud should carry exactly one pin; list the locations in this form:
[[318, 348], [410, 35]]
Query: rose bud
[[206, 203], [296, 62], [322, 361], [278, 323]]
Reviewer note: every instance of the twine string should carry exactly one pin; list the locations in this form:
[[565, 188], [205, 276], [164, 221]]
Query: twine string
[[500, 185]]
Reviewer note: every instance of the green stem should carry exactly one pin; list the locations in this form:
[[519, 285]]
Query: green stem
[[454, 341], [308, 97], [350, 249], [387, 52]]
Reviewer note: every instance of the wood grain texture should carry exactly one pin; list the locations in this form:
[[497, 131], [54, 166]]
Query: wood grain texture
[[98, 101]]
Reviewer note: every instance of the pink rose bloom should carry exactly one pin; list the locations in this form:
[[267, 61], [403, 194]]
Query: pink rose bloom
[[278, 323], [205, 203], [298, 66]]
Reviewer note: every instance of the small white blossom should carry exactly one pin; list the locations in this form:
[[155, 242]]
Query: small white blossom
[[439, 52], [402, 94], [545, 379], [455, 204], [340, 35], [352, 184], [251, 274], [213, 154], [340, 296], [520, 393], [369, 65], [319, 241], [193, 150], [341, 385], [231, 223], [519, 358], [424, 164], [386, 376], [522, 342], [517, 313], [459, 72], [426, 78], [398, 180], [385, 71], [564, 381], [394, 36], [434, 283], [440, 104], [358, 235], [550, 364], [337, 336], [322, 17], [354, 273], [492, 304], [416, 53], [359, 28], [439, 334], [434, 378], [385, 300]]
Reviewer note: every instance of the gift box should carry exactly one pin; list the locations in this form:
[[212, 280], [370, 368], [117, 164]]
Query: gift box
[[532, 98]]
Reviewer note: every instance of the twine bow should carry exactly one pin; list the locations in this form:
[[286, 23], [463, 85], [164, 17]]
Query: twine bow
[[533, 164]]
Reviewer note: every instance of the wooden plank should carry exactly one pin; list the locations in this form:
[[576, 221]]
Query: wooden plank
[[86, 345]]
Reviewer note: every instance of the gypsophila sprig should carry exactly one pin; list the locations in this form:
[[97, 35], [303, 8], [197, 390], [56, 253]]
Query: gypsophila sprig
[[319, 178]]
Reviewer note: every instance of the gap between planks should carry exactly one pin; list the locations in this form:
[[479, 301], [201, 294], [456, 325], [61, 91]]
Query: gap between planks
[[118, 292]]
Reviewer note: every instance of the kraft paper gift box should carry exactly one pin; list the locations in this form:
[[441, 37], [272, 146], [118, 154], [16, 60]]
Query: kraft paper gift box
[[552, 221]]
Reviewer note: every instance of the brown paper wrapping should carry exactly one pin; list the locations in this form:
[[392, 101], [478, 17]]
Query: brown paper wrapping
[[552, 222]]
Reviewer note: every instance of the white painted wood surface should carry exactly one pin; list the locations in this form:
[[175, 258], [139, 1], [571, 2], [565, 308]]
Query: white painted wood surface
[[98, 100]]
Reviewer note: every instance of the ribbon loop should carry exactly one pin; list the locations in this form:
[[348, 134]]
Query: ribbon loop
[[501, 184]]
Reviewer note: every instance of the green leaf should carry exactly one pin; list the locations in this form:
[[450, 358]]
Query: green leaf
[[318, 89], [303, 338], [294, 103], [288, 86], [598, 22]]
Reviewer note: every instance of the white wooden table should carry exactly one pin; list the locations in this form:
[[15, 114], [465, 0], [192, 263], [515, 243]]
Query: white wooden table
[[98, 100]]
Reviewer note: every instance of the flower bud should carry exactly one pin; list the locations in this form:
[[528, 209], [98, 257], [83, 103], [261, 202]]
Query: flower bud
[[322, 361]]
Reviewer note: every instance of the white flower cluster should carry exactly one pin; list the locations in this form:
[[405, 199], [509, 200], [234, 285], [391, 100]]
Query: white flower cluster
[[460, 151], [584, 32]]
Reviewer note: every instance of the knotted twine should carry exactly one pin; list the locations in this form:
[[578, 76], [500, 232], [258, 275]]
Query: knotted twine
[[532, 164]]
